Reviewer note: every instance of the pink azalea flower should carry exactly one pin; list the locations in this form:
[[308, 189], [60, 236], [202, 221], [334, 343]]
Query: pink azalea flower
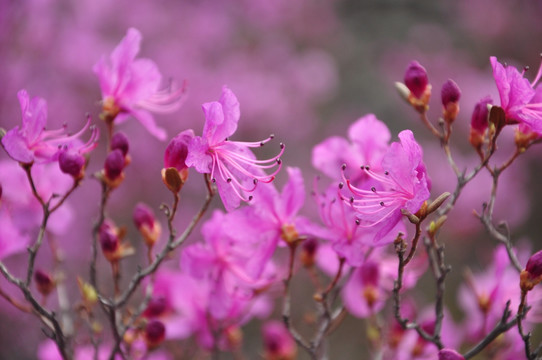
[[369, 138], [231, 164], [342, 228], [130, 86], [32, 142], [402, 184], [521, 101]]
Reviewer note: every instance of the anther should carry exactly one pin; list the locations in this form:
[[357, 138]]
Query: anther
[[351, 200], [343, 166], [262, 143], [250, 198], [279, 161], [228, 180], [382, 203], [255, 181], [386, 172], [358, 222], [373, 189], [272, 136], [525, 68], [226, 139], [367, 167], [341, 185], [213, 180], [281, 145]]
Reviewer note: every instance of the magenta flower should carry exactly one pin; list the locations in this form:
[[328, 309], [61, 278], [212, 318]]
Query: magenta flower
[[131, 87], [403, 184], [369, 138], [231, 164], [32, 142], [520, 100]]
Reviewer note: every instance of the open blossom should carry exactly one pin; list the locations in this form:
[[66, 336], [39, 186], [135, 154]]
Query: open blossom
[[521, 101], [31, 142], [402, 184], [231, 164], [369, 139], [130, 86]]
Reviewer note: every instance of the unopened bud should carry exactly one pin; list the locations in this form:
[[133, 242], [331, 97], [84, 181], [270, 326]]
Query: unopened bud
[[155, 333], [450, 95], [177, 150], [44, 282], [449, 354], [156, 307], [308, 252], [532, 275], [277, 341], [119, 141], [416, 79], [438, 202], [114, 166], [72, 163], [146, 224], [479, 122]]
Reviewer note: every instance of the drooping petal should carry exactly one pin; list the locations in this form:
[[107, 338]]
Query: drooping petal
[[147, 120]]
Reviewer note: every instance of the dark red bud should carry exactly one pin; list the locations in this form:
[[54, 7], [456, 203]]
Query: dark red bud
[[109, 239], [44, 282], [177, 150], [534, 265], [119, 141], [155, 333], [114, 164], [156, 307], [71, 163], [416, 79], [450, 93]]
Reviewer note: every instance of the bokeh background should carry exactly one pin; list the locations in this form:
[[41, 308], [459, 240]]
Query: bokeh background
[[303, 70]]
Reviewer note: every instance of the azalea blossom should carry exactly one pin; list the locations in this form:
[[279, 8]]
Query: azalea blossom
[[31, 142], [521, 101], [231, 164], [131, 87], [402, 184]]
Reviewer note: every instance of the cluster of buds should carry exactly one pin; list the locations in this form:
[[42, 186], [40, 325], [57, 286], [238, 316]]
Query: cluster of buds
[[416, 89], [116, 160]]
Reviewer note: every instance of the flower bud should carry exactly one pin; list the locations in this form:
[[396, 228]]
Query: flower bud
[[113, 167], [146, 224], [157, 306], [308, 252], [109, 240], [177, 150], [532, 274], [44, 282], [88, 292], [155, 333], [479, 122], [416, 79], [524, 137], [278, 343], [119, 141], [449, 354], [71, 162], [450, 95]]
